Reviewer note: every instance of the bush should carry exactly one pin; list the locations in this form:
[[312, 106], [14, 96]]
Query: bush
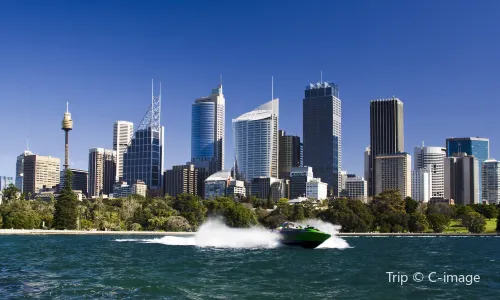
[[417, 223], [474, 222], [135, 227], [177, 223], [438, 222]]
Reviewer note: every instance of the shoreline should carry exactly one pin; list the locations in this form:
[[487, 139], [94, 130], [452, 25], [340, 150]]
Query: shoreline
[[165, 233]]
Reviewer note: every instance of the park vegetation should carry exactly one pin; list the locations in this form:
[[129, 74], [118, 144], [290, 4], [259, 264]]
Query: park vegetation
[[387, 212]]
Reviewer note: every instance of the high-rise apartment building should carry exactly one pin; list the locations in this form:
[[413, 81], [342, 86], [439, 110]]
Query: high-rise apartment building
[[123, 131], [290, 154], [256, 142], [102, 172], [356, 188], [422, 184], [322, 127], [491, 181], [386, 134], [207, 131], [40, 172], [79, 181], [432, 158], [461, 178], [476, 146], [393, 173], [181, 179], [20, 169], [315, 189]]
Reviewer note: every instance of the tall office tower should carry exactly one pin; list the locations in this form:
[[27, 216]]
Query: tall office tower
[[207, 131], [432, 158], [367, 161], [386, 134], [123, 131], [79, 182], [20, 169], [40, 172], [66, 125], [322, 126], [393, 173], [290, 153], [299, 176], [461, 178], [478, 147], [102, 172], [256, 142], [421, 185], [143, 158], [181, 180], [491, 181]]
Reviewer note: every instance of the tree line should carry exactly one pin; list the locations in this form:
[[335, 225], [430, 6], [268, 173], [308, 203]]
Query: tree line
[[388, 212]]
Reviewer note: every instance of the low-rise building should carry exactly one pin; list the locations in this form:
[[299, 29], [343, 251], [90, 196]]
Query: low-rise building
[[315, 189], [236, 188], [216, 184], [122, 189], [356, 188]]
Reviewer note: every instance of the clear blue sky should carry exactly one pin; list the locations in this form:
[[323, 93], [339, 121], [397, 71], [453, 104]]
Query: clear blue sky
[[441, 58]]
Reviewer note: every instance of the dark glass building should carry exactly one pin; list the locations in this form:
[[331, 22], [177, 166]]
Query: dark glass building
[[290, 154], [322, 126], [386, 133], [79, 181]]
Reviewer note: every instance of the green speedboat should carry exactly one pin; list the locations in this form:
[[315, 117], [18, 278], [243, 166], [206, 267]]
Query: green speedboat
[[296, 235]]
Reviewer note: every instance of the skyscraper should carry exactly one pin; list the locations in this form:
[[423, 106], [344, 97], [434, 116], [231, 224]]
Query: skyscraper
[[491, 181], [143, 159], [478, 147], [432, 158], [322, 127], [80, 180], [181, 179], [290, 153], [256, 142], [421, 186], [393, 173], [207, 131], [386, 133], [20, 169], [102, 172], [40, 172], [67, 126], [123, 132], [461, 178]]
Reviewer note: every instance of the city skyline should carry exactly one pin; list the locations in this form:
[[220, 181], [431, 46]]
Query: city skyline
[[87, 75]]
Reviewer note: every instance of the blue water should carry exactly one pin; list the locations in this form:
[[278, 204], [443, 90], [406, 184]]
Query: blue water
[[131, 267]]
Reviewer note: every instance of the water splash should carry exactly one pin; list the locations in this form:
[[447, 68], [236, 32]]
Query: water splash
[[334, 241]]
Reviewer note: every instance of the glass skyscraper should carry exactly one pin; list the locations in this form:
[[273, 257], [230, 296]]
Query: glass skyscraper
[[256, 142], [322, 126], [207, 132], [475, 146]]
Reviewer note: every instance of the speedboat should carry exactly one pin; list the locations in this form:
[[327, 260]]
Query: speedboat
[[296, 235]]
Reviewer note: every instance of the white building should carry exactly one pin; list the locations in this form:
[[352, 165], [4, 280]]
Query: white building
[[393, 172], [461, 179], [357, 188], [236, 188], [491, 181], [422, 185], [315, 189], [216, 184], [433, 159], [123, 131], [123, 189], [256, 142]]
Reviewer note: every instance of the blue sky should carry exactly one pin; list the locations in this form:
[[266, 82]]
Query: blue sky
[[441, 58]]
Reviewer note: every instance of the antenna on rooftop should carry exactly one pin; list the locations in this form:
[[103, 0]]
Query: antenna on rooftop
[[321, 77], [272, 87]]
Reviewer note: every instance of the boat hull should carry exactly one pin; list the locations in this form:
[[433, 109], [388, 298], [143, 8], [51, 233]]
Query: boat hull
[[303, 238]]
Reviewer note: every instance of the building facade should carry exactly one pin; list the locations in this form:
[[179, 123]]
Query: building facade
[[322, 127], [461, 178], [40, 172], [422, 184], [432, 158], [256, 142], [476, 146], [181, 179], [393, 173], [236, 188], [79, 181], [356, 188], [207, 131], [315, 189], [20, 169], [491, 181], [386, 134], [123, 131], [102, 172], [267, 188], [217, 184], [290, 154], [122, 189], [299, 176]]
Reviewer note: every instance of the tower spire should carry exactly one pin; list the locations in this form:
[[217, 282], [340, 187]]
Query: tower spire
[[272, 87], [321, 77]]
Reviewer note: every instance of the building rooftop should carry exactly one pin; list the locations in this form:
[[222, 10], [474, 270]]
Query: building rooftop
[[221, 175], [264, 111]]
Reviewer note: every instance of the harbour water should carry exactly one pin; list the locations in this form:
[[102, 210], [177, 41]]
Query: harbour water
[[223, 263]]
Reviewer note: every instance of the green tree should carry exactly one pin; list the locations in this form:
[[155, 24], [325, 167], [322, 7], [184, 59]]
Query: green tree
[[441, 208], [191, 208], [417, 223], [463, 210], [19, 214], [66, 206], [410, 205], [474, 221], [297, 213], [177, 223], [10, 193], [489, 211], [351, 215], [234, 213], [438, 222], [498, 224]]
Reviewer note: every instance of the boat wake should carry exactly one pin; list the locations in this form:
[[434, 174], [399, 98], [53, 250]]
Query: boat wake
[[215, 234]]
